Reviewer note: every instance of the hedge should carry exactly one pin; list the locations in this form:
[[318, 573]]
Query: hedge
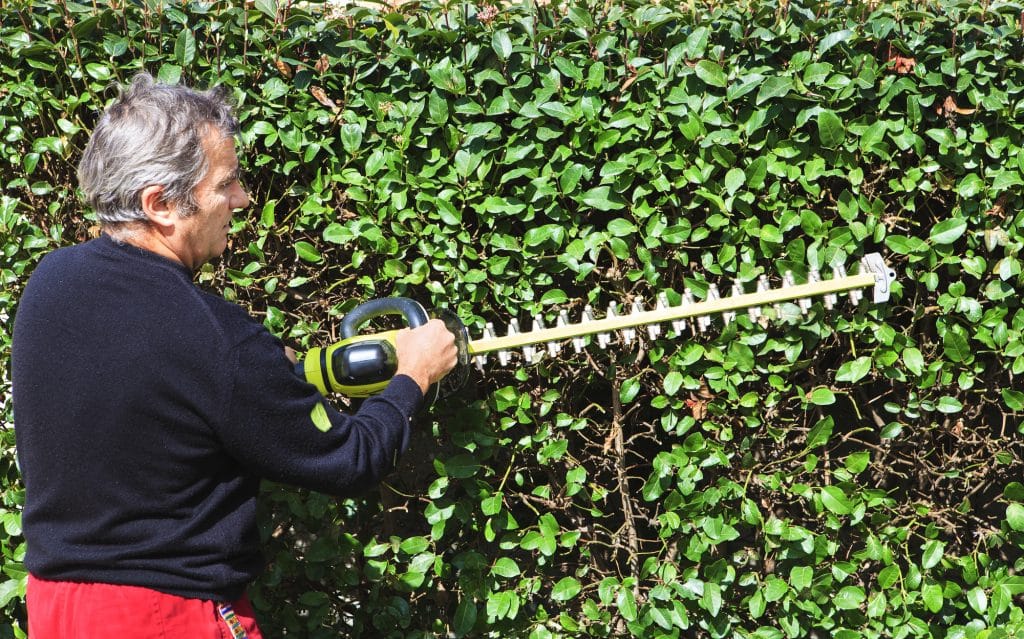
[[845, 473]]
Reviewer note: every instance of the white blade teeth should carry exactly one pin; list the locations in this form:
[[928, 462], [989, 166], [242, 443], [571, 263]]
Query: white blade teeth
[[529, 351], [629, 334], [828, 301], [480, 360], [538, 353], [855, 294], [737, 290], [653, 330], [755, 312], [787, 281], [551, 347], [554, 348], [687, 301], [604, 339], [805, 302], [704, 321], [831, 298], [513, 329], [677, 325], [588, 316]]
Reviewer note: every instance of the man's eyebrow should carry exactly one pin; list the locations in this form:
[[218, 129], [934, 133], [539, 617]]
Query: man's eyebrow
[[232, 176]]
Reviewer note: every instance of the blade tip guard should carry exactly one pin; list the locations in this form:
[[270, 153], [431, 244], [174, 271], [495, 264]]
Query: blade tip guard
[[884, 276]]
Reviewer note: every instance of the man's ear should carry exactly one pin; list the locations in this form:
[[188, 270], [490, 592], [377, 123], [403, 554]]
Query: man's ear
[[156, 208]]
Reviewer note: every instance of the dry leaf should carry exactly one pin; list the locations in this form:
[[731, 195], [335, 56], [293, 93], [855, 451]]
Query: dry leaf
[[999, 208], [902, 65], [321, 97], [949, 107], [698, 402], [283, 68], [698, 408], [322, 64]]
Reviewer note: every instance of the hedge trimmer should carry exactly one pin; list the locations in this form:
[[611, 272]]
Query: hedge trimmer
[[360, 365]]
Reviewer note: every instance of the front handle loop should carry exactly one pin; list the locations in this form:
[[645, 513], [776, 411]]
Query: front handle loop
[[415, 315]]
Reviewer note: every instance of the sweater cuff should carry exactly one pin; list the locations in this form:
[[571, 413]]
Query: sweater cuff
[[405, 393]]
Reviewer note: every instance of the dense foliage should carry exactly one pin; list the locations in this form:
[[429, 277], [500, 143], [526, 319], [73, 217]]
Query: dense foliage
[[849, 473]]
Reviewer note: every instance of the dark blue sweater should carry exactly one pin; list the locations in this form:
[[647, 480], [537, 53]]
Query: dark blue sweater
[[147, 410]]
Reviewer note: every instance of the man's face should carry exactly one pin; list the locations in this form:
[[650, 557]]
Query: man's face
[[217, 195]]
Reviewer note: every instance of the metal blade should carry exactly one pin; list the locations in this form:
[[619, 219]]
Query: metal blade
[[874, 273]]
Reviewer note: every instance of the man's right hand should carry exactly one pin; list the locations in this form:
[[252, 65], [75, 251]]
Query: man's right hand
[[426, 353]]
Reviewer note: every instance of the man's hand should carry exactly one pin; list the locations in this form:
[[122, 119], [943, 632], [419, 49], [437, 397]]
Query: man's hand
[[426, 353]]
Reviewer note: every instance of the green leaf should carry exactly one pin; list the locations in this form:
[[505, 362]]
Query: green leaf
[[877, 605], [833, 39], [888, 576], [849, 598], [955, 346], [629, 390], [834, 499], [757, 604], [822, 396], [185, 47], [947, 404], [712, 598], [554, 296], [913, 360], [548, 233], [1015, 516], [466, 162], [734, 179], [948, 231], [502, 44], [268, 7], [9, 590], [626, 603], [558, 111], [932, 554], [931, 594], [673, 382], [602, 199], [307, 251], [775, 86], [711, 73], [820, 432], [801, 577], [565, 589], [505, 567], [854, 371], [437, 108], [461, 466], [351, 136], [169, 73], [831, 132], [621, 228], [977, 599], [465, 618]]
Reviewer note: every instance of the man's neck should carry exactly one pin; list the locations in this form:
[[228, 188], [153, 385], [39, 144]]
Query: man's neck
[[143, 236]]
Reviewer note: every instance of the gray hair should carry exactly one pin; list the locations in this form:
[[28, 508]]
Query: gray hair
[[151, 134]]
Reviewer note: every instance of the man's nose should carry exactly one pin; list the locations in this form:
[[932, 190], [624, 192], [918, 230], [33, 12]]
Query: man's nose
[[242, 199]]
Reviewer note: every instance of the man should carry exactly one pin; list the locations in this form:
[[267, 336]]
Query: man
[[148, 410]]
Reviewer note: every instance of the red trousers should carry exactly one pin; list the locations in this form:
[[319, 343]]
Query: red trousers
[[70, 610]]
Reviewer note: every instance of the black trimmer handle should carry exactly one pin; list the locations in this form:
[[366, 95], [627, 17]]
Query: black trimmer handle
[[415, 315]]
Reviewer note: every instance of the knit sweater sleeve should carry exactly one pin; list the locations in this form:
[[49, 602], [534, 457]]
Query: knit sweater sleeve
[[283, 429]]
